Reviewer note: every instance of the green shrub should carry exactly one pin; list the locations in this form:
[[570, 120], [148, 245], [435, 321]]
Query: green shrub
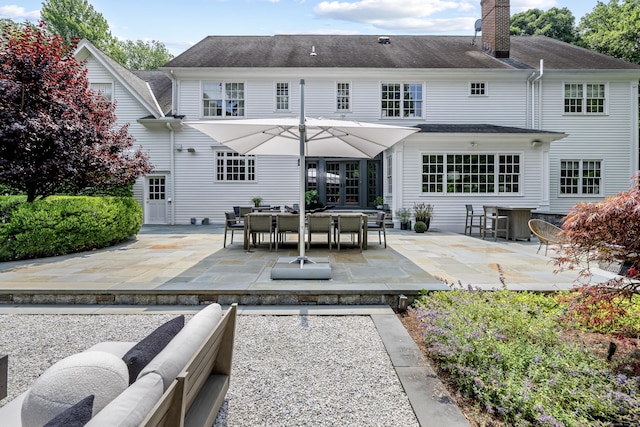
[[505, 350], [420, 227], [63, 224]]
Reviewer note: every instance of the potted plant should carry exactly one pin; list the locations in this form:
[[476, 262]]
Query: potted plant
[[379, 202], [420, 227], [404, 214], [257, 201], [423, 213]]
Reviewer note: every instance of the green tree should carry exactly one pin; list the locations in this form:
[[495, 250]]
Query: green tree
[[139, 55], [57, 134], [77, 19], [613, 29], [556, 23]]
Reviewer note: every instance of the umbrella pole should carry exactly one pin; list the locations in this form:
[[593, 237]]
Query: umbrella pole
[[287, 269], [303, 132]]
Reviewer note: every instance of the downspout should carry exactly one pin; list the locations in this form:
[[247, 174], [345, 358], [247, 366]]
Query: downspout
[[172, 155], [533, 95]]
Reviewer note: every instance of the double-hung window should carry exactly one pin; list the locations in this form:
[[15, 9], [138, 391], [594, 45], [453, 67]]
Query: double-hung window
[[103, 91], [220, 99], [585, 98], [343, 97], [580, 177], [489, 173], [282, 96], [402, 100], [234, 167]]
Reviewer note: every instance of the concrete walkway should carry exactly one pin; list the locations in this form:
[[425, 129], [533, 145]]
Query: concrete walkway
[[190, 260]]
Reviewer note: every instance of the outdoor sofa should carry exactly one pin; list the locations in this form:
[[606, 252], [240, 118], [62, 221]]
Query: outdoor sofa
[[178, 375]]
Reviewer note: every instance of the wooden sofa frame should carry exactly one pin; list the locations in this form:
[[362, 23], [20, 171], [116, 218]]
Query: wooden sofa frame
[[196, 395]]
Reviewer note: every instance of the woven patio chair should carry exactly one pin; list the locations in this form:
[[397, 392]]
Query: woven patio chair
[[547, 233]]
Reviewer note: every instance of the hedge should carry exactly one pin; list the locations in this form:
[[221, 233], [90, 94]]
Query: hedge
[[61, 225]]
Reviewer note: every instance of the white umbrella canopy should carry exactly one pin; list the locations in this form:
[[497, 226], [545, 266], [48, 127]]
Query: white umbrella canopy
[[323, 137], [302, 137]]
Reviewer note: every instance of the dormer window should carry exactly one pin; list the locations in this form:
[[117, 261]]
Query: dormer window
[[103, 90]]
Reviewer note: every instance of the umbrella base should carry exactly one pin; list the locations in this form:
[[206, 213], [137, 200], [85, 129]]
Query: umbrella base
[[301, 268]]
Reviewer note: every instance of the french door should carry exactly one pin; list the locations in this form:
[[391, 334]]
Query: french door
[[345, 183]]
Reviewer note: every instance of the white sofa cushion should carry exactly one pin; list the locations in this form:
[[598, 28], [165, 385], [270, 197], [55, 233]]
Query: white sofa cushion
[[132, 405], [117, 348], [170, 362], [72, 379]]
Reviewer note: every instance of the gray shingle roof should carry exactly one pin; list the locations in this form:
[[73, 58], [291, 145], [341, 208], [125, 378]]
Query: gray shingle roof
[[364, 51], [479, 128], [160, 85]]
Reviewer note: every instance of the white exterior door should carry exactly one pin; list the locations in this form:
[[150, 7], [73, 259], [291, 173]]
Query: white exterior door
[[156, 203]]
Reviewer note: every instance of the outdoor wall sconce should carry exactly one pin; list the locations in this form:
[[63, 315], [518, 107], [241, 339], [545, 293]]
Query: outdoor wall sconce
[[473, 144], [191, 150], [178, 147], [536, 143]]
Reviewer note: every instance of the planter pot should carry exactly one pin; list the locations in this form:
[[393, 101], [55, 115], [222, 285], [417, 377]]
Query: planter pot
[[405, 225]]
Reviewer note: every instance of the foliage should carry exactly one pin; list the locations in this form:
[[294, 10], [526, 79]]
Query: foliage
[[378, 201], [612, 28], [422, 211], [74, 20], [310, 196], [140, 55], [61, 224], [256, 201], [605, 232], [504, 349], [404, 214], [420, 227], [597, 309], [556, 23], [57, 133]]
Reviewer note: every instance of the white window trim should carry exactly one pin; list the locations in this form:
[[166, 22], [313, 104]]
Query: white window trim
[[226, 181], [403, 83], [584, 84], [580, 194], [223, 83], [486, 89], [335, 88], [496, 193], [106, 84], [275, 96]]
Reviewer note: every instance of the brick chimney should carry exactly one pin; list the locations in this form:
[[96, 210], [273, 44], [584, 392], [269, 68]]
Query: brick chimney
[[496, 20]]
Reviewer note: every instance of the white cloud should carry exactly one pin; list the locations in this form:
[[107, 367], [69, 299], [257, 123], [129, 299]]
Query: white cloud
[[522, 5], [17, 12], [418, 25], [366, 11]]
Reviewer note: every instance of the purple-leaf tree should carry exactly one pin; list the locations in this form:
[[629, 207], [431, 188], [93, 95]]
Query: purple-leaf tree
[[56, 134]]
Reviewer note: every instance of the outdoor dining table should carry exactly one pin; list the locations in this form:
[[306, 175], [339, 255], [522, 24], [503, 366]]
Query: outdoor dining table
[[519, 217], [333, 215]]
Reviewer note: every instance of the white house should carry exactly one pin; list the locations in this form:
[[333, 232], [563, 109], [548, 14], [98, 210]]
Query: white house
[[519, 121]]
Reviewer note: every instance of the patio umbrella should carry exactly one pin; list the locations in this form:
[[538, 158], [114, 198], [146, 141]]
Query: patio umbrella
[[314, 137]]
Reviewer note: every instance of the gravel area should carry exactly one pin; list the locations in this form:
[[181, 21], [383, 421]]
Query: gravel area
[[287, 370]]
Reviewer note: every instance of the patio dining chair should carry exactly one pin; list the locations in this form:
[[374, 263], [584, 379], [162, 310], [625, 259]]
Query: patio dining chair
[[379, 226], [286, 223], [469, 222], [492, 215], [231, 223], [260, 224], [352, 225], [319, 224], [547, 233]]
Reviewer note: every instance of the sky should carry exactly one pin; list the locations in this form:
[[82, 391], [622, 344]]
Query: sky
[[179, 25]]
